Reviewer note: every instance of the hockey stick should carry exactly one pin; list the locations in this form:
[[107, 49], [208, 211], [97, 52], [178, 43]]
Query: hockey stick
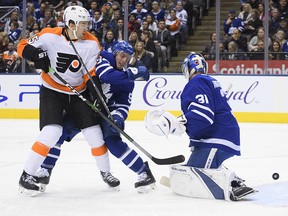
[[159, 161], [90, 78]]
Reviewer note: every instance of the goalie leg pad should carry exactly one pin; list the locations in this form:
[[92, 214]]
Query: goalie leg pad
[[201, 183]]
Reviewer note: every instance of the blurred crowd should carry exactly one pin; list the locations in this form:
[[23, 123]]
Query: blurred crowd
[[157, 29], [244, 32]]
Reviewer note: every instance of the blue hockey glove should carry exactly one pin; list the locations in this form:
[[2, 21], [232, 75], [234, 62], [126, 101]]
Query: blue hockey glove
[[119, 121], [138, 74], [41, 60]]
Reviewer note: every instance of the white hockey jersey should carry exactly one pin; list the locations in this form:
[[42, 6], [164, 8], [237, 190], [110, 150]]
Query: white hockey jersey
[[63, 58]]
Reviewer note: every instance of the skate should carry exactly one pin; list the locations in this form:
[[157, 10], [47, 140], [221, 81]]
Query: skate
[[112, 181], [43, 178], [146, 181], [27, 185], [239, 190]]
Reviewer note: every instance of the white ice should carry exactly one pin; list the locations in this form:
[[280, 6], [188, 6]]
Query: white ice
[[77, 189]]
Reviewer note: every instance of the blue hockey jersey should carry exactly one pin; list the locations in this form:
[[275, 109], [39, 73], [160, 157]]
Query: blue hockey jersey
[[116, 86], [210, 122]]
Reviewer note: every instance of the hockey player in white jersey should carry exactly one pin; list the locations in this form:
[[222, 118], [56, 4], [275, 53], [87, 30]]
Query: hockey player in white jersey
[[213, 132], [51, 48]]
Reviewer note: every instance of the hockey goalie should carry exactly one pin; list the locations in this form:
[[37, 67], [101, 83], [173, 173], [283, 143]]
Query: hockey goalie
[[213, 133]]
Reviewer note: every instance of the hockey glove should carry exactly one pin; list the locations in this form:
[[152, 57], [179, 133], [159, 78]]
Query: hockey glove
[[119, 121], [138, 74], [41, 60]]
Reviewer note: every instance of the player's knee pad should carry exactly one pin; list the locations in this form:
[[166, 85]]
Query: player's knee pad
[[93, 136], [50, 134], [201, 183], [116, 146]]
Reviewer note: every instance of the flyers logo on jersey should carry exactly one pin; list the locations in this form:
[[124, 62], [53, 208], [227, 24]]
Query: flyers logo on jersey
[[67, 61]]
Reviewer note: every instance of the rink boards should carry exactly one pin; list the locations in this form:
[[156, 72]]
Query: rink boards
[[253, 98]]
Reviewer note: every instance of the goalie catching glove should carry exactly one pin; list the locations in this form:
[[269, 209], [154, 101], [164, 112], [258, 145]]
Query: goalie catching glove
[[163, 123]]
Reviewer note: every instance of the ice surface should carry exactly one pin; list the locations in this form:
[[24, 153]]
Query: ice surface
[[77, 189]]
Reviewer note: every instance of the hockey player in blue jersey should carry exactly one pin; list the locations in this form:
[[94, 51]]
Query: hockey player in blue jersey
[[117, 86], [213, 132]]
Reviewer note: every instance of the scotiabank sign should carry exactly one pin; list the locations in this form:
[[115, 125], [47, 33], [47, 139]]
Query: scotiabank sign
[[277, 67]]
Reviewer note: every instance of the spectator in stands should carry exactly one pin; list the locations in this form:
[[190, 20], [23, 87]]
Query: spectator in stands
[[14, 17], [54, 4], [282, 25], [140, 12], [280, 37], [29, 3], [285, 49], [93, 7], [74, 3], [223, 51], [245, 14], [253, 24], [173, 24], [253, 3], [233, 53], [31, 11], [258, 52], [41, 12], [14, 32], [96, 20], [182, 15], [145, 27], [109, 41], [133, 25], [275, 52], [4, 40], [116, 16], [29, 21], [2, 63], [152, 23], [232, 22], [48, 19], [283, 7], [11, 58], [157, 12], [167, 5], [107, 11], [59, 19], [259, 36], [147, 4], [240, 40], [149, 45], [189, 7], [133, 39], [261, 10], [143, 55], [119, 30], [162, 38], [101, 32], [273, 20], [210, 49]]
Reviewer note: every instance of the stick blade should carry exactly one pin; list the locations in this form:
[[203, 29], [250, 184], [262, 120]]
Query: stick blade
[[167, 161]]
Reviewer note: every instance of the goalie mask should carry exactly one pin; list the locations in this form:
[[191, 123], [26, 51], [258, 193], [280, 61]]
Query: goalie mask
[[194, 63]]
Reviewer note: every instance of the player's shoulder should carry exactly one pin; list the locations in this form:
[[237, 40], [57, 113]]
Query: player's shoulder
[[89, 37]]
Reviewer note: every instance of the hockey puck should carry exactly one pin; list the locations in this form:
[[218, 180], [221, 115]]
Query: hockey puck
[[275, 176]]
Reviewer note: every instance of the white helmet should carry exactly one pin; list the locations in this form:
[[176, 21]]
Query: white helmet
[[75, 14]]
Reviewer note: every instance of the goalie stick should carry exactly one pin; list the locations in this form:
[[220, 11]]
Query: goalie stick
[[159, 161]]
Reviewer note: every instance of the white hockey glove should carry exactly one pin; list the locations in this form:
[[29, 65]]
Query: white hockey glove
[[138, 74], [163, 123]]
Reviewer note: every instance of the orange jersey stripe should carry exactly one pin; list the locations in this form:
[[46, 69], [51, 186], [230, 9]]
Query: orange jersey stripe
[[47, 79], [40, 148], [99, 151]]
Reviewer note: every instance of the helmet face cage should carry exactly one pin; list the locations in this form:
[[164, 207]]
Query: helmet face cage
[[124, 47], [75, 14], [194, 63]]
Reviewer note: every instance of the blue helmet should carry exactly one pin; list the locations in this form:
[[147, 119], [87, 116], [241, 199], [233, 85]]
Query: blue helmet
[[194, 63], [123, 46]]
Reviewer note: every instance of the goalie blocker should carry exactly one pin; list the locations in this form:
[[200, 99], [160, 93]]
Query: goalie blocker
[[218, 183]]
